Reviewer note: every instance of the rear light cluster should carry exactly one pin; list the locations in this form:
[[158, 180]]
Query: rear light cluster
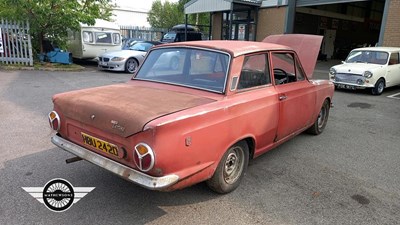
[[54, 121], [143, 156]]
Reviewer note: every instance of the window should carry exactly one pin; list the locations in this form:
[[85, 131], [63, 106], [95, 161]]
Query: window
[[254, 72], [299, 71], [284, 67], [361, 56], [87, 37], [103, 37], [190, 67], [394, 59], [116, 38]]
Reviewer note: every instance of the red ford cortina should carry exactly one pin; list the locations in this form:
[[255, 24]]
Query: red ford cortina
[[197, 111]]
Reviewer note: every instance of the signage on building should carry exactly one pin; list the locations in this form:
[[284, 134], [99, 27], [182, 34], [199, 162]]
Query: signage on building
[[1, 42], [241, 32]]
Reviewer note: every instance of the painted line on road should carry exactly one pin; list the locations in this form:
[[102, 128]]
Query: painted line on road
[[395, 96]]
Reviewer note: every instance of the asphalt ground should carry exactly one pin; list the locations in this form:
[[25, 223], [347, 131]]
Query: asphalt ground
[[347, 175]]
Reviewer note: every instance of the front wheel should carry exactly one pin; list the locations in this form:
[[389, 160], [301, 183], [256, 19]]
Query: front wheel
[[131, 65], [379, 86], [320, 123], [231, 169]]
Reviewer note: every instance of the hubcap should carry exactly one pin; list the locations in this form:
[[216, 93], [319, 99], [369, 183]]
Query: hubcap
[[321, 117], [233, 165], [131, 66], [380, 87]]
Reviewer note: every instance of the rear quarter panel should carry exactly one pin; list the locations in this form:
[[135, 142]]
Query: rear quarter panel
[[201, 135], [324, 90]]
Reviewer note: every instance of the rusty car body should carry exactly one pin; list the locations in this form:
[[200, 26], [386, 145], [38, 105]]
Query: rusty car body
[[225, 103]]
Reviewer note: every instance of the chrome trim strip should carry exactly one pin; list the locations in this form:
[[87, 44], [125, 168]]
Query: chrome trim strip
[[142, 179]]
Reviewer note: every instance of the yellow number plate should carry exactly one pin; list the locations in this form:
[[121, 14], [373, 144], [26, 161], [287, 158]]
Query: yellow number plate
[[101, 145]]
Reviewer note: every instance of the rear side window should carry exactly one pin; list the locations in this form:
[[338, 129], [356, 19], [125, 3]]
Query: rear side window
[[394, 59], [254, 72]]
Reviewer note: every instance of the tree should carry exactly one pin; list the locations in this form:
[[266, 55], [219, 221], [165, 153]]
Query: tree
[[169, 14], [195, 19], [51, 19], [164, 15]]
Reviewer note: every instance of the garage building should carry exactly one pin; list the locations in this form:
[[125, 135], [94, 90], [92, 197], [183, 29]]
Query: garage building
[[345, 24]]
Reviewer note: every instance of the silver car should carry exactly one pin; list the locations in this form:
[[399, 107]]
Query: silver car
[[126, 60]]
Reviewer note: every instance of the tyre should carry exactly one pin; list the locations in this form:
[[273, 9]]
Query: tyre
[[379, 86], [320, 122], [131, 65], [231, 169]]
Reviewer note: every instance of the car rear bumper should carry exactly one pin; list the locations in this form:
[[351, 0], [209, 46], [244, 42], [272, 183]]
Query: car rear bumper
[[142, 179]]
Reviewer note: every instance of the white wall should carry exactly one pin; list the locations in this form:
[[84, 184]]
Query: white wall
[[133, 12]]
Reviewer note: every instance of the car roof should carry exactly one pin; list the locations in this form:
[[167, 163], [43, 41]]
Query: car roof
[[235, 48], [384, 49]]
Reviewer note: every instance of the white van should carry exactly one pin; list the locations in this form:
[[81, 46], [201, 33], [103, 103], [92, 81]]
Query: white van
[[91, 41]]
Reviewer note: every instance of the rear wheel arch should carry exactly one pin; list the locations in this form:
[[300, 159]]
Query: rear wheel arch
[[231, 168], [251, 145]]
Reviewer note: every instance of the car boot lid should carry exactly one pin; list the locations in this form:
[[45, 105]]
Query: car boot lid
[[123, 109]]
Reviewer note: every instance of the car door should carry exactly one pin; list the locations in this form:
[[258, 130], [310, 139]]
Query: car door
[[393, 70], [256, 101], [295, 93]]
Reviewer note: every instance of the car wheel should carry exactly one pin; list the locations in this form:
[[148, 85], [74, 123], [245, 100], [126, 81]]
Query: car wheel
[[131, 65], [231, 169], [379, 86], [320, 122], [174, 63]]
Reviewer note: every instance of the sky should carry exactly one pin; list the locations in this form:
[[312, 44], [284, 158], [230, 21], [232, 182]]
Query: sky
[[142, 5]]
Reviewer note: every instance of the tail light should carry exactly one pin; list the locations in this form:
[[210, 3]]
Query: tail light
[[54, 121], [143, 156]]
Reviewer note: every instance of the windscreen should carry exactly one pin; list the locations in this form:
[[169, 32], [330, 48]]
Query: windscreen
[[374, 57], [190, 67]]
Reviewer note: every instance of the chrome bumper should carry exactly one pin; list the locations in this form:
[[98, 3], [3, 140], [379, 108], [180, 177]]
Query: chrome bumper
[[144, 180], [350, 85]]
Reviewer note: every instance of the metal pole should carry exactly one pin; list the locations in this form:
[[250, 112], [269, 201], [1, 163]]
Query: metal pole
[[210, 27], [383, 23], [186, 22], [230, 23]]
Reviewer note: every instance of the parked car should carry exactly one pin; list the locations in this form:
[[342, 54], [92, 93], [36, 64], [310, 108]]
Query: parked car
[[128, 42], [225, 103], [126, 60], [373, 67], [177, 34]]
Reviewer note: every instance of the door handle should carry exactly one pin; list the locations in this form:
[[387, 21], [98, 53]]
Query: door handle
[[282, 97]]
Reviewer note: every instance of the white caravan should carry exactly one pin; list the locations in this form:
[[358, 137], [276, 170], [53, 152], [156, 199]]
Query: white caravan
[[91, 41]]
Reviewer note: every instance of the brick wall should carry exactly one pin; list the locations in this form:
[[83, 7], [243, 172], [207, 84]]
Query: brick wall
[[271, 21], [392, 31], [216, 26]]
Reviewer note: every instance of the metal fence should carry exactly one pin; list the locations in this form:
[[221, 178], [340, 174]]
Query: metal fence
[[143, 33], [15, 43]]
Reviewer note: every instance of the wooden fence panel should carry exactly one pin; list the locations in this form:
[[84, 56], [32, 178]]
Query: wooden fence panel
[[16, 43]]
